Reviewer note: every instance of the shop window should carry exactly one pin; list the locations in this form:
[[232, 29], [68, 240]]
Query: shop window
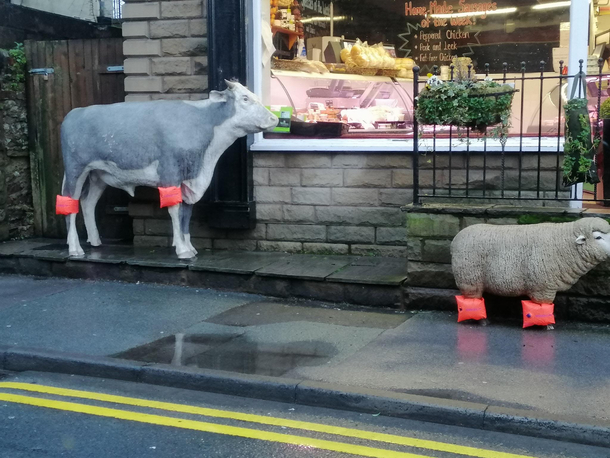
[[344, 68]]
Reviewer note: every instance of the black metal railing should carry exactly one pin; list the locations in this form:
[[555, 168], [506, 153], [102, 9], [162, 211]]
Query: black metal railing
[[452, 162]]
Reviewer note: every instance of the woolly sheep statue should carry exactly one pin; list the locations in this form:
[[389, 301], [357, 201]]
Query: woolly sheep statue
[[535, 260]]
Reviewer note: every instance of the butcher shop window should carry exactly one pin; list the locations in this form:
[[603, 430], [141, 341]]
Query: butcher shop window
[[343, 70]]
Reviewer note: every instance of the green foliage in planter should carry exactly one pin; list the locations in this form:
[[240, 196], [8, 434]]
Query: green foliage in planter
[[15, 74], [538, 218], [604, 110], [468, 104], [579, 150]]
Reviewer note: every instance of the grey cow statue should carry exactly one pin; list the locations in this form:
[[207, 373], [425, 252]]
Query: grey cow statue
[[165, 144]]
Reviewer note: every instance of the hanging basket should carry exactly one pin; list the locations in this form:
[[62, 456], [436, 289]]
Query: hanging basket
[[477, 105]]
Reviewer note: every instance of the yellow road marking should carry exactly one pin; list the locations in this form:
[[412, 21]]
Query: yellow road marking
[[206, 427], [272, 421]]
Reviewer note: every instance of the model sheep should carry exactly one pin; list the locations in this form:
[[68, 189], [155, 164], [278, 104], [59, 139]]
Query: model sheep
[[527, 260]]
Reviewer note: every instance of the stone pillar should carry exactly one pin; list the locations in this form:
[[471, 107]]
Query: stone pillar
[[165, 49]]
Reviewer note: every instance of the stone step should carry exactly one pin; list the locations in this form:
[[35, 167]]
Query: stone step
[[361, 280]]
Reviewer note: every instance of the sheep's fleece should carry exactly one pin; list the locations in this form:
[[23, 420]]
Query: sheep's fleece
[[527, 260]]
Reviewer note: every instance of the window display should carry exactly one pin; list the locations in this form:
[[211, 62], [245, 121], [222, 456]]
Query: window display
[[347, 65]]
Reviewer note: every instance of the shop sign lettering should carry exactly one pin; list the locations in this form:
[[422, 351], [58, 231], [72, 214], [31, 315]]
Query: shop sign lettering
[[440, 28]]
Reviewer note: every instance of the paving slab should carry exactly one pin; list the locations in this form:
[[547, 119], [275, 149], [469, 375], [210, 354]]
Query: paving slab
[[380, 274], [108, 254], [562, 371], [306, 267], [17, 247], [103, 318], [49, 252], [158, 257], [20, 290], [268, 312], [242, 262]]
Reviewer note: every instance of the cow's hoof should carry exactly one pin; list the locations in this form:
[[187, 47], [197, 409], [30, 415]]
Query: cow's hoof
[[97, 242], [186, 255], [76, 254], [550, 327]]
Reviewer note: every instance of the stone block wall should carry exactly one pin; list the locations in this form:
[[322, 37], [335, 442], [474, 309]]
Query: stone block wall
[[165, 49], [306, 203], [346, 203], [16, 208]]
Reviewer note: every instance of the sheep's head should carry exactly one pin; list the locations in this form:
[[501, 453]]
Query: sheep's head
[[593, 235]]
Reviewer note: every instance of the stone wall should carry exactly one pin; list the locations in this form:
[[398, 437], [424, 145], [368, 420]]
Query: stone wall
[[165, 49], [343, 203], [430, 283], [16, 209], [311, 203]]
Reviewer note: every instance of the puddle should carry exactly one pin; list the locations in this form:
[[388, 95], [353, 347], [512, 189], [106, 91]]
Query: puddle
[[232, 353]]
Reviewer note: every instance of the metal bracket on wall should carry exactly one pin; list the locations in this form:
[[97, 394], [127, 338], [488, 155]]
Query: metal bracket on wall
[[41, 71], [115, 69]]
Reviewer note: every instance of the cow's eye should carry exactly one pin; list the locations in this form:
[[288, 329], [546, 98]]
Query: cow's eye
[[599, 237], [246, 99]]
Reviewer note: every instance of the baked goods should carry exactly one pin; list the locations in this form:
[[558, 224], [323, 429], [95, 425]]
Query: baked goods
[[363, 59]]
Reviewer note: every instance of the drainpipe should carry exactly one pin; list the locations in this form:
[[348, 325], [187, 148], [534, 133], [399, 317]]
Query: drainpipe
[[579, 49]]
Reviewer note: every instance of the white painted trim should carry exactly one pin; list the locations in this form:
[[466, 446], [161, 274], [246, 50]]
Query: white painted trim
[[513, 144]]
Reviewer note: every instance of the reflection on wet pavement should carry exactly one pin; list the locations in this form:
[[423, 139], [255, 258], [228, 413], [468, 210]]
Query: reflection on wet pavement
[[232, 353]]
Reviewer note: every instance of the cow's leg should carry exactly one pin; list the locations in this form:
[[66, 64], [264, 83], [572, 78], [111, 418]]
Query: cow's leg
[[186, 210], [182, 250], [88, 202], [72, 188]]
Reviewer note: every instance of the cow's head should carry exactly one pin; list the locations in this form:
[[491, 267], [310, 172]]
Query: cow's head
[[250, 114]]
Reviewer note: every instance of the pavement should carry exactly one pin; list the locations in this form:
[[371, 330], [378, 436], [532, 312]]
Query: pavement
[[417, 365]]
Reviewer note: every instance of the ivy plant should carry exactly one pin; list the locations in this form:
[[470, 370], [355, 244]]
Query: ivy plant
[[15, 73], [579, 149]]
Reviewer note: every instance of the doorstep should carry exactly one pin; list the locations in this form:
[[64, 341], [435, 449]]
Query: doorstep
[[360, 280]]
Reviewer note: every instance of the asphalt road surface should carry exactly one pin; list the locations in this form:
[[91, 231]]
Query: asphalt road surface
[[51, 415]]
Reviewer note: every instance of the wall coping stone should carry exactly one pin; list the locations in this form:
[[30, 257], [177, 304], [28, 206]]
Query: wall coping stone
[[501, 210]]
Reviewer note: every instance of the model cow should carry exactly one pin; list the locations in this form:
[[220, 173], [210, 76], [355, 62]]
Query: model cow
[[171, 145]]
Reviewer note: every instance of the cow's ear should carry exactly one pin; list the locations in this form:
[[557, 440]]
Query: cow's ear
[[217, 96]]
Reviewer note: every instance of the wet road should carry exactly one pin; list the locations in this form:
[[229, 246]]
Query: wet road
[[57, 415]]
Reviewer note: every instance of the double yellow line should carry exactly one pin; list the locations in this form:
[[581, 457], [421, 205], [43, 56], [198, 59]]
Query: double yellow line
[[233, 430]]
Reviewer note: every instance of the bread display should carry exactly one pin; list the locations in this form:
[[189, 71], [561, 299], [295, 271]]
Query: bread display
[[363, 59]]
